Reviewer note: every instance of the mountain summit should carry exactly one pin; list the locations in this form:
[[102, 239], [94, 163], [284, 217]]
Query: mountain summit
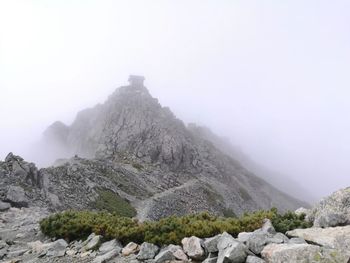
[[179, 171]]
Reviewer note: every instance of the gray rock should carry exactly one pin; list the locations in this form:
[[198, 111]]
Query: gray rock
[[333, 210], [211, 244], [93, 243], [297, 240], [254, 259], [16, 196], [164, 255], [235, 252], [268, 227], [171, 253], [225, 240], [109, 246], [332, 237], [4, 206], [210, 260], [300, 253], [57, 248], [147, 251], [106, 256], [131, 248], [193, 248], [278, 238], [257, 241], [178, 252], [16, 253], [244, 236]]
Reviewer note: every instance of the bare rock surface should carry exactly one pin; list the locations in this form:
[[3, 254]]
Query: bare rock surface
[[333, 210], [332, 237], [300, 253]]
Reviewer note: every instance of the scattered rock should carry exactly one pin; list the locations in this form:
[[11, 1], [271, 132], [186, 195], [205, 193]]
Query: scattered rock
[[164, 255], [211, 244], [110, 245], [193, 248], [131, 248], [57, 248], [93, 243], [147, 251], [106, 257], [268, 227], [234, 252], [257, 241]]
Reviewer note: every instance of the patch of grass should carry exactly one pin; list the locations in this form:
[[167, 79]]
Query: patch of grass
[[137, 166], [113, 203], [228, 212]]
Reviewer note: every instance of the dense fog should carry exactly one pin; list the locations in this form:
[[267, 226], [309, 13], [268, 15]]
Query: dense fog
[[270, 76]]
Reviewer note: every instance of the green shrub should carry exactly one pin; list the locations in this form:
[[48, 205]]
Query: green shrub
[[113, 203], [137, 166], [289, 221], [73, 225]]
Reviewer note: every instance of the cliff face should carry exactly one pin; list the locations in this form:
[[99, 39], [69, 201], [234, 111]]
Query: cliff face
[[141, 145]]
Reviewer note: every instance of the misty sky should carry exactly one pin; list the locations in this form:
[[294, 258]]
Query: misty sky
[[273, 76]]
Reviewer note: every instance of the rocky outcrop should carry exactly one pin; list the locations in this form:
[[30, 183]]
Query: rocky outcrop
[[333, 210], [293, 253], [332, 237]]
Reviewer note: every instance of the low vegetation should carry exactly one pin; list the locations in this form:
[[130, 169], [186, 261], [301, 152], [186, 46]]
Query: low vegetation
[[72, 225], [111, 202]]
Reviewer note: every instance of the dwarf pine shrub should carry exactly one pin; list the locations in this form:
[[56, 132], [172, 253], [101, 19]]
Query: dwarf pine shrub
[[73, 225]]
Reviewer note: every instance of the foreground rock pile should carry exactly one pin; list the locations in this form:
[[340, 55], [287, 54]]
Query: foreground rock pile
[[21, 241]]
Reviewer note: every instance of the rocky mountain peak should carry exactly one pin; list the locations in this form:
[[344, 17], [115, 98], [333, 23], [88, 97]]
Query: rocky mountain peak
[[135, 147]]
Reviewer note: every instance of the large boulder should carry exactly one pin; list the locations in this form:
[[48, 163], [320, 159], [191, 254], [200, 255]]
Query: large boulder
[[193, 248], [235, 252], [93, 243], [211, 244], [109, 246], [333, 210], [171, 253], [257, 240], [333, 237], [4, 206], [301, 253], [57, 248], [17, 196]]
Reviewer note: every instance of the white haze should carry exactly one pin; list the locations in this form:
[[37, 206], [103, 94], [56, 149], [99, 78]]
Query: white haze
[[273, 76]]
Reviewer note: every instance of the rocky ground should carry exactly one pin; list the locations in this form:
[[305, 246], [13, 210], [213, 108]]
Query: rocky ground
[[22, 241]]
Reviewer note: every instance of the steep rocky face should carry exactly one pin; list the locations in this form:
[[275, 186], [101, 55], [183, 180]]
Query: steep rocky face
[[179, 171]]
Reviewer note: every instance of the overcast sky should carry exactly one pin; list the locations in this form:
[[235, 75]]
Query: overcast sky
[[274, 76]]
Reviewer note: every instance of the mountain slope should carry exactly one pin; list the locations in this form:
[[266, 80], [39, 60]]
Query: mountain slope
[[280, 181], [183, 172]]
